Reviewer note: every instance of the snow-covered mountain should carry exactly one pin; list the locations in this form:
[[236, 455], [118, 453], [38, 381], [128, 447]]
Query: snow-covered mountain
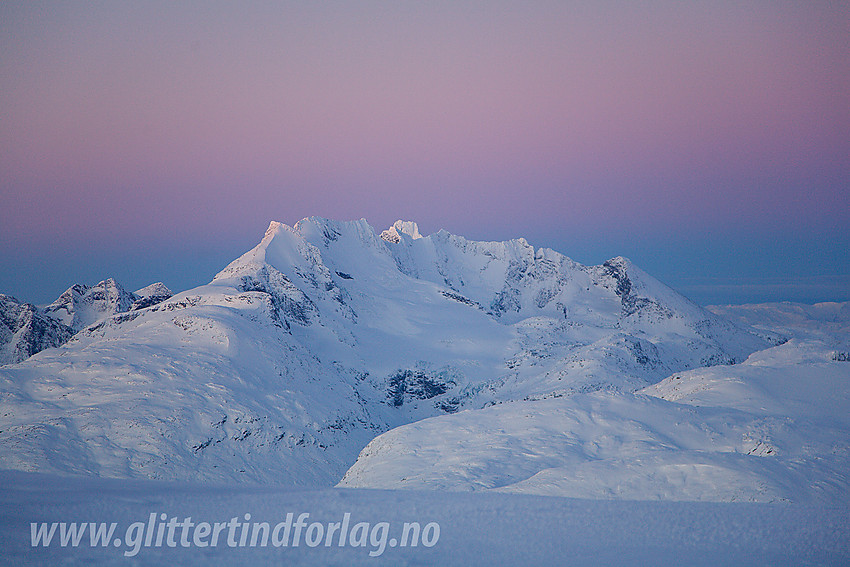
[[24, 330], [82, 305], [327, 334], [150, 295]]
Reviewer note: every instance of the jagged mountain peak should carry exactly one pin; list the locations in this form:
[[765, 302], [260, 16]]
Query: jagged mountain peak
[[399, 227], [409, 228], [154, 289], [150, 295], [619, 262], [27, 329], [508, 279], [82, 305], [320, 267]]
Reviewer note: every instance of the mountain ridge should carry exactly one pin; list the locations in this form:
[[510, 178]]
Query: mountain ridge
[[324, 335]]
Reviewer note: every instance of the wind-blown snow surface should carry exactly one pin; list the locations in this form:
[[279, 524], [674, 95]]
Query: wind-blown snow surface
[[475, 529]]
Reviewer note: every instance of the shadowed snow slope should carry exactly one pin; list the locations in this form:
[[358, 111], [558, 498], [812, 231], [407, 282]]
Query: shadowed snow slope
[[326, 334]]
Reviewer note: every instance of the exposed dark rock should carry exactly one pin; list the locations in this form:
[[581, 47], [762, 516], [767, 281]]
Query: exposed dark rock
[[460, 299], [288, 302], [632, 303], [415, 384]]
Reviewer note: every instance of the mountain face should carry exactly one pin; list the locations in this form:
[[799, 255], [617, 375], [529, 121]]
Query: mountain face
[[24, 331]]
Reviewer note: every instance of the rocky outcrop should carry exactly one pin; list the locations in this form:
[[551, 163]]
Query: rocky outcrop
[[24, 330]]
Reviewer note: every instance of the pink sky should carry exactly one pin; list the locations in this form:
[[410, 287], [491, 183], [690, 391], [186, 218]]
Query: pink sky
[[158, 121]]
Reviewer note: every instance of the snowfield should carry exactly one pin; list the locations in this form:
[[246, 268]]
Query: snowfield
[[332, 355], [475, 529]]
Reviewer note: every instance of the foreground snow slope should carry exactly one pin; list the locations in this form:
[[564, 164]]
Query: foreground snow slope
[[326, 334], [774, 428], [485, 529]]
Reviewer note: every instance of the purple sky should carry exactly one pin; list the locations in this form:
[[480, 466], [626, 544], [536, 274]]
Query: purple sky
[[708, 141]]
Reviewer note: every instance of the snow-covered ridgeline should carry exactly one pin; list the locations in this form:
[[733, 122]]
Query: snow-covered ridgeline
[[327, 334]]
